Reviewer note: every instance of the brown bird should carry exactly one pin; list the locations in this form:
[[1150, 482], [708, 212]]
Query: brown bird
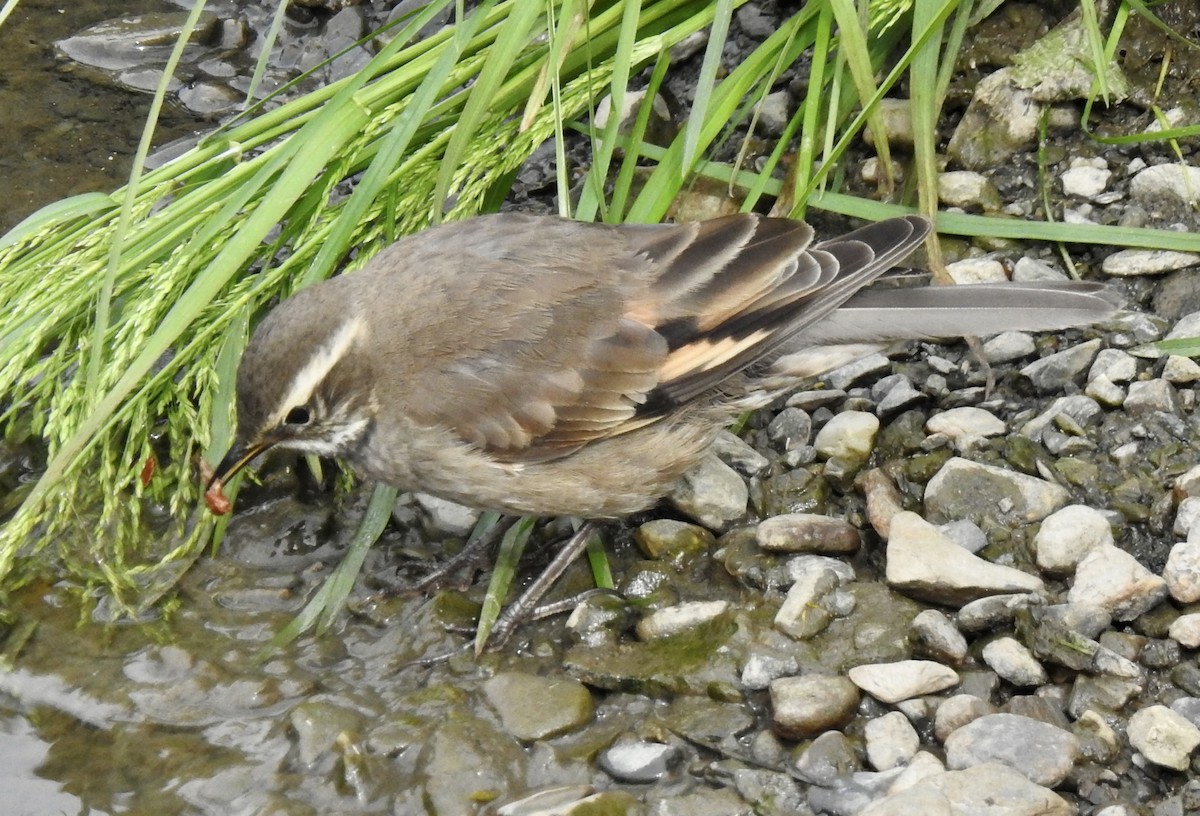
[[537, 365]]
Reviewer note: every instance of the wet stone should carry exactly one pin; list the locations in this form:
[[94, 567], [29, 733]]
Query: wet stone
[[673, 541], [712, 493], [849, 435], [318, 725], [733, 451], [937, 637], [955, 712], [1042, 753], [987, 788], [636, 761], [465, 757], [808, 607], [681, 618], [807, 532], [791, 428], [828, 758], [533, 708], [805, 706], [966, 489]]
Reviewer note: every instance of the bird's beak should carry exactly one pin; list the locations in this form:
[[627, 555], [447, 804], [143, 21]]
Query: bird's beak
[[240, 455]]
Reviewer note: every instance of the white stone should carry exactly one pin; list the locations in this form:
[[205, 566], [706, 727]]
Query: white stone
[[965, 421], [848, 435], [1185, 630], [976, 270], [1010, 659], [1163, 736], [891, 741], [902, 680], [1113, 579], [1182, 571], [1085, 182], [1067, 535], [673, 620], [922, 561]]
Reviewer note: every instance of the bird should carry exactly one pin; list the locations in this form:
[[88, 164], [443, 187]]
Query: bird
[[536, 365]]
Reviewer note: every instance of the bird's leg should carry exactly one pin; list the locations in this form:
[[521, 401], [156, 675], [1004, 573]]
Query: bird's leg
[[524, 607], [476, 548]]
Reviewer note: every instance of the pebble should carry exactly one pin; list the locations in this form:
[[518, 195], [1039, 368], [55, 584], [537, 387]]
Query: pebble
[[937, 637], [808, 609], [1186, 630], [1009, 658], [1042, 753], [956, 711], [991, 788], [966, 421], [902, 680], [849, 435], [673, 620], [532, 707], [1179, 181], [1054, 372], [829, 758], [712, 493], [1163, 736], [967, 489], [1182, 572], [807, 532], [1114, 579], [672, 540], [1084, 179], [637, 761], [1067, 535], [1126, 263], [1119, 366], [1180, 370], [803, 707], [1150, 396], [891, 741], [976, 270], [923, 562], [1009, 345]]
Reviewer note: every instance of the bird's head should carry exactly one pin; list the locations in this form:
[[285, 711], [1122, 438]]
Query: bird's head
[[304, 383]]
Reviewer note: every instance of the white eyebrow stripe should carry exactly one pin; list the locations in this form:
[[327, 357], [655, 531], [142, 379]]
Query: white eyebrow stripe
[[315, 370]]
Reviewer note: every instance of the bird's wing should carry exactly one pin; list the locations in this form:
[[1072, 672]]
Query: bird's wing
[[574, 332]]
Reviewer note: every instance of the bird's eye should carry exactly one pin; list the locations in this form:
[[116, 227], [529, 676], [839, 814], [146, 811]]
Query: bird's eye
[[297, 416]]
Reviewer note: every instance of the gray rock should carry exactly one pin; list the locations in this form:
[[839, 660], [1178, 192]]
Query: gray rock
[[937, 637], [1055, 372], [803, 707], [1082, 410], [1176, 183], [791, 428], [1010, 345], [712, 493], [843, 377], [1180, 370], [1031, 269], [446, 516], [674, 620], [1042, 753], [993, 612], [956, 711], [774, 113], [1001, 120], [733, 451], [1119, 366], [968, 190], [637, 761], [849, 435], [1126, 263], [966, 489], [1186, 630], [897, 123], [991, 788], [532, 707], [808, 608], [1086, 178], [1151, 396], [966, 421], [829, 758]]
